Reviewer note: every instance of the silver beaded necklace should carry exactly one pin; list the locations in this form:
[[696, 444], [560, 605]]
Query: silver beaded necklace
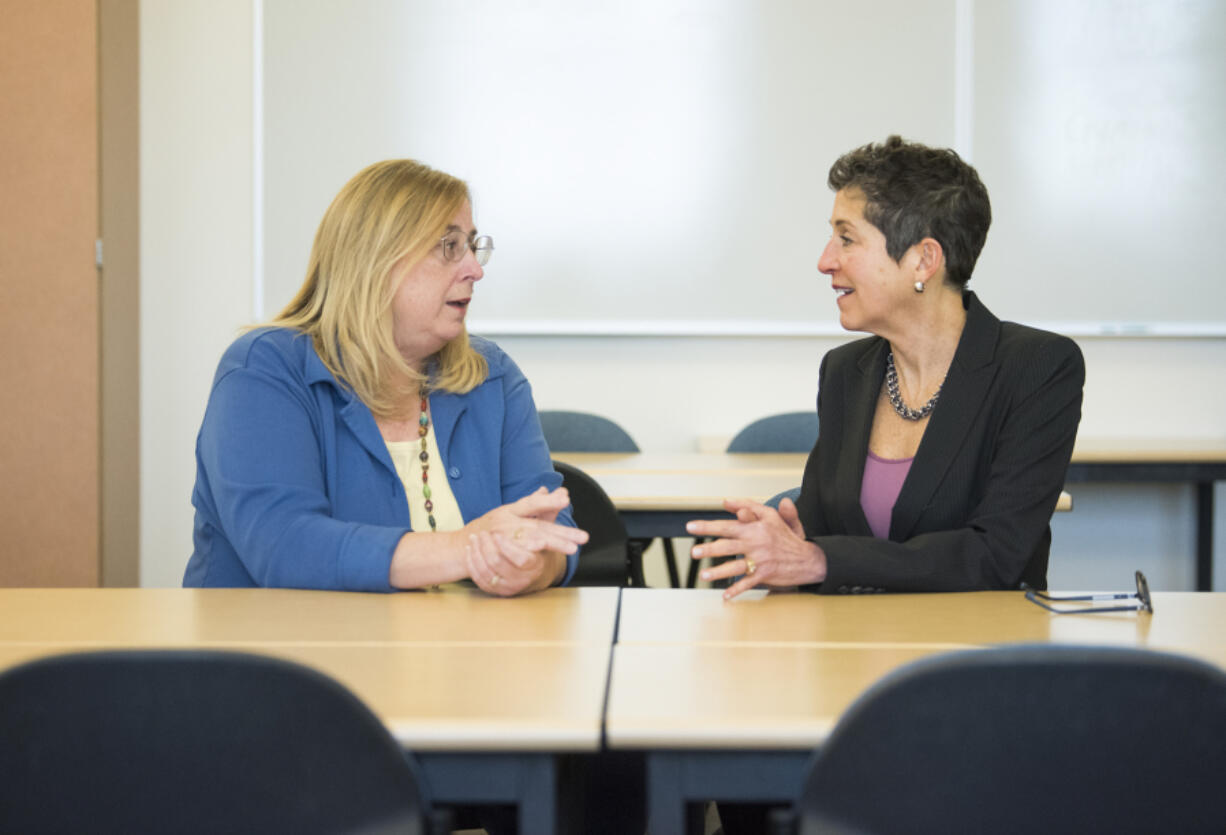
[[891, 387]]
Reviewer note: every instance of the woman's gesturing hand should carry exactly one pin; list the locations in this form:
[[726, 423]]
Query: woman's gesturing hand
[[771, 545], [519, 546]]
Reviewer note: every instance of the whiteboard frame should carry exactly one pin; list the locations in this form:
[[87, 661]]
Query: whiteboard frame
[[737, 328]]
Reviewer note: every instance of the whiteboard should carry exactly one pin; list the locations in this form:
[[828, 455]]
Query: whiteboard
[[659, 166], [1099, 130]]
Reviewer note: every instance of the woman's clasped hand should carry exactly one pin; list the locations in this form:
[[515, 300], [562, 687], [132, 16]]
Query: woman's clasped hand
[[517, 547]]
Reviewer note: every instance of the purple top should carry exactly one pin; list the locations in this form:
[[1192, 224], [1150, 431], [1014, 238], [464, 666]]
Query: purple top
[[883, 478]]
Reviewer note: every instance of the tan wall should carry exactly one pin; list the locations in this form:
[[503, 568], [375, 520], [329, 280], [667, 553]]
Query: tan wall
[[48, 294]]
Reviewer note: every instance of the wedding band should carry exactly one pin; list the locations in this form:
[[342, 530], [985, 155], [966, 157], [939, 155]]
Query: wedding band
[[518, 535], [750, 566], [496, 580]]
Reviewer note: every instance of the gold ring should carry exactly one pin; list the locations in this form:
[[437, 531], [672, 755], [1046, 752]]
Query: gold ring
[[518, 535], [496, 580], [750, 566]]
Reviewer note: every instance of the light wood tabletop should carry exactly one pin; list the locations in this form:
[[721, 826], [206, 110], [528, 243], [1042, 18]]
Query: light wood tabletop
[[1148, 450], [696, 482], [444, 697], [453, 670], [775, 671], [657, 463], [740, 696], [169, 617], [1193, 623]]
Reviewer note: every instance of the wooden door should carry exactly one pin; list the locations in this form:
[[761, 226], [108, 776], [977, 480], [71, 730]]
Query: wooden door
[[49, 357]]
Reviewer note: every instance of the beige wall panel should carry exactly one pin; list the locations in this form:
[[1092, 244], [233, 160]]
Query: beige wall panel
[[48, 294], [119, 148]]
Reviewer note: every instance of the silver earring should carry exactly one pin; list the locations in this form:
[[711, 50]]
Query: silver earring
[[919, 286]]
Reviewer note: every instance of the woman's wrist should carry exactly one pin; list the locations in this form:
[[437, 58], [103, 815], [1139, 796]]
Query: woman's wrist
[[817, 560], [427, 559]]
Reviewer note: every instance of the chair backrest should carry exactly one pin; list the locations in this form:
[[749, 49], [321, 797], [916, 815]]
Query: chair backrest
[[1029, 739], [583, 432], [787, 432], [195, 742], [605, 559]]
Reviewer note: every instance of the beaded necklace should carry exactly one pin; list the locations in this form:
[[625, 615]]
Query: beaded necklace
[[423, 428], [891, 386]]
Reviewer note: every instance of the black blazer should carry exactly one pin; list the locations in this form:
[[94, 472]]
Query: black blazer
[[975, 509]]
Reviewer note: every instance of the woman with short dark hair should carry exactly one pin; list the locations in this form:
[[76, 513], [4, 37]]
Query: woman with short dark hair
[[945, 436]]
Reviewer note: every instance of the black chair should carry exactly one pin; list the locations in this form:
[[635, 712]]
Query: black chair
[[786, 432], [197, 742], [1046, 739], [567, 431], [605, 559]]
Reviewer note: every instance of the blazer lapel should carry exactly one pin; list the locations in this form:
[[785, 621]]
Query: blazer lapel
[[970, 374], [860, 395]]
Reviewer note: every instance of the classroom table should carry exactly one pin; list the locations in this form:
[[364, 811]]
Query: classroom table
[[487, 692], [1197, 461], [726, 699], [729, 699], [657, 493]]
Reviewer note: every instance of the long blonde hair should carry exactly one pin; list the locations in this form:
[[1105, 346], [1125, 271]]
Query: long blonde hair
[[392, 210]]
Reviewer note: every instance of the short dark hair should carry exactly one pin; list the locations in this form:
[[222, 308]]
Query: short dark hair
[[915, 192]]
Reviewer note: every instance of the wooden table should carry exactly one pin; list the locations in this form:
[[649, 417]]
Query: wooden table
[[729, 700], [208, 617], [486, 692], [657, 493], [1200, 462], [726, 699]]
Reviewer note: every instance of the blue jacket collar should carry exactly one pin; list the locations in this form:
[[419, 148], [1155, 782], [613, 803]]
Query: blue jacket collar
[[446, 409]]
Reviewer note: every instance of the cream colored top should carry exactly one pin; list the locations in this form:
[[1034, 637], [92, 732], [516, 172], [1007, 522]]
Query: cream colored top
[[447, 514]]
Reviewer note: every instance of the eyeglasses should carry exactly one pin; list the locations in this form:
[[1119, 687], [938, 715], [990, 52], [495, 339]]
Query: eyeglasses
[[1144, 603], [455, 246]]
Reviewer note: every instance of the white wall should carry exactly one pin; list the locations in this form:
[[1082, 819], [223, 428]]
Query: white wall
[[196, 245], [197, 185]]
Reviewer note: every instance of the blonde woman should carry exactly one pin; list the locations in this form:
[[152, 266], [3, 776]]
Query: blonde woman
[[362, 440]]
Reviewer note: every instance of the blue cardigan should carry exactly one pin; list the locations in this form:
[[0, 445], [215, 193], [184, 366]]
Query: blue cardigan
[[294, 484]]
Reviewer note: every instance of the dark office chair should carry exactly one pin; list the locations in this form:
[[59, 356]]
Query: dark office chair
[[197, 742], [584, 432], [605, 559], [1026, 738], [787, 432]]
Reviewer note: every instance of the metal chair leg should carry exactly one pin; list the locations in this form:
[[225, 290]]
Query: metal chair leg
[[670, 563]]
